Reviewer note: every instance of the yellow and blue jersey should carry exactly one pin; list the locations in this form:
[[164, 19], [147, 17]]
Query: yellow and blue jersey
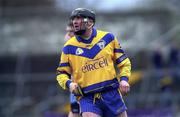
[[91, 62]]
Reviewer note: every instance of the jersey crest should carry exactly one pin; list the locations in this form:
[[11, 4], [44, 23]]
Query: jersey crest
[[79, 51], [101, 44]]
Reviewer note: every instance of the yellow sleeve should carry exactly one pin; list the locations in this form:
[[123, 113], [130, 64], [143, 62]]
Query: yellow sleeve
[[64, 71], [125, 69], [122, 61], [63, 80]]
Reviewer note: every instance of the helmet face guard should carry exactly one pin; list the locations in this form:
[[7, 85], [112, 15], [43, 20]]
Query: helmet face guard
[[85, 14]]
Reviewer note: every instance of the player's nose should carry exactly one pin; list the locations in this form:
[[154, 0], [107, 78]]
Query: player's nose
[[75, 20]]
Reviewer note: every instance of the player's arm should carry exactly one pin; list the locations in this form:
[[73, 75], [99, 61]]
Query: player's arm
[[64, 75], [123, 63], [64, 71]]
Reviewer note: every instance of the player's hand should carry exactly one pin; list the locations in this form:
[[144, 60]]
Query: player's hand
[[124, 87], [73, 87], [76, 89]]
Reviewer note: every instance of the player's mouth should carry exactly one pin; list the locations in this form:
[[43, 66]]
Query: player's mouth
[[76, 27]]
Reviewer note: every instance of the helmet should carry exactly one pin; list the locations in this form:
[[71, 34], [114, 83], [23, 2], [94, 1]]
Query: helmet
[[83, 12]]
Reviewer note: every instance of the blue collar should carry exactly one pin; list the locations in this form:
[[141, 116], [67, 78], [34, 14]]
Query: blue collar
[[80, 39]]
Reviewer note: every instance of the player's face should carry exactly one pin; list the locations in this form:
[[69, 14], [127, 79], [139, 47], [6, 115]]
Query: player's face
[[77, 23]]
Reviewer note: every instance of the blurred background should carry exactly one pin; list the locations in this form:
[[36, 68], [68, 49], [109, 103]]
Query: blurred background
[[32, 36]]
